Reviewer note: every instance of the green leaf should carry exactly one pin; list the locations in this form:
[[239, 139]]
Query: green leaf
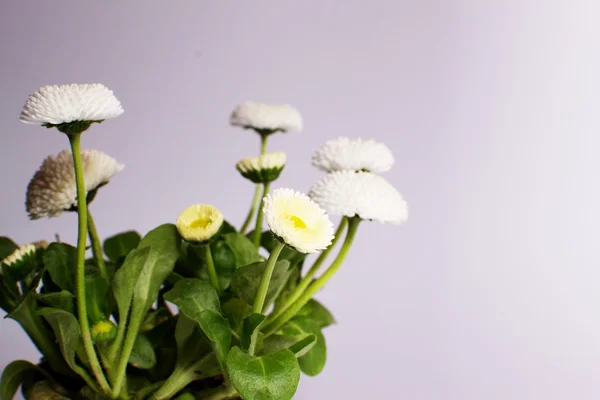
[[164, 243], [193, 296], [313, 362], [217, 329], [119, 246], [270, 377], [227, 228], [142, 356], [7, 247], [60, 260], [245, 281], [97, 297], [250, 331], [236, 310], [62, 300], [42, 390], [13, 375], [318, 313], [243, 249], [299, 345], [125, 279], [66, 330]]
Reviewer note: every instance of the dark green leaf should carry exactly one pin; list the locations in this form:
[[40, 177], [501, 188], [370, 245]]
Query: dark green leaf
[[236, 310], [42, 390], [7, 247], [217, 329], [243, 249], [12, 377], [117, 247], [97, 297], [60, 260], [142, 356], [270, 377], [318, 313], [125, 279], [250, 331], [66, 330], [164, 243], [313, 362], [245, 281], [193, 297], [62, 300], [227, 228], [299, 345]]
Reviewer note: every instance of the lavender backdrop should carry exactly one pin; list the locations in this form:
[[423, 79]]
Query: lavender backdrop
[[490, 291]]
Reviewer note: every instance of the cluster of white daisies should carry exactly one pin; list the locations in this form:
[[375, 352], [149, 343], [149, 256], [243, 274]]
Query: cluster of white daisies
[[351, 187]]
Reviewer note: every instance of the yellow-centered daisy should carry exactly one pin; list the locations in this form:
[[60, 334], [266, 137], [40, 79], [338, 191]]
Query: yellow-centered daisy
[[298, 221], [199, 222]]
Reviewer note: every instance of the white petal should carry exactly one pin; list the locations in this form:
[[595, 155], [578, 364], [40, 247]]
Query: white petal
[[68, 103], [353, 154], [298, 220], [266, 116], [364, 194]]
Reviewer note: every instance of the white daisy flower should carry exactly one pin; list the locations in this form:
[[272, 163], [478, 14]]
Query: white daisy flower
[[19, 254], [53, 190], [199, 222], [353, 154], [363, 194], [262, 169], [266, 118], [71, 107], [298, 220]]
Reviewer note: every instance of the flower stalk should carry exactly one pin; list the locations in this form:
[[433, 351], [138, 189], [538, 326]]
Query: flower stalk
[[260, 217], [263, 288], [75, 141], [210, 266], [96, 246], [275, 324], [306, 281]]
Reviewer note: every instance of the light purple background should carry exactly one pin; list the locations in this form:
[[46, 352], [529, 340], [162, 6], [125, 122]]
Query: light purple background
[[490, 291]]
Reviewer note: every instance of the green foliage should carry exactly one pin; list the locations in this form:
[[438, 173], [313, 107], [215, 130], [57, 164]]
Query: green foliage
[[12, 377], [318, 313], [269, 377], [250, 331], [60, 260], [246, 280], [313, 362], [7, 247], [297, 344], [67, 332], [193, 297], [62, 300], [217, 330], [97, 297], [117, 247], [143, 355]]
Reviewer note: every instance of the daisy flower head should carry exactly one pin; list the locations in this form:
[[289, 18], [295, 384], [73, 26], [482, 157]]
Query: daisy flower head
[[298, 221], [19, 255], [266, 118], [262, 169], [199, 222], [353, 154], [71, 108], [52, 189], [361, 194]]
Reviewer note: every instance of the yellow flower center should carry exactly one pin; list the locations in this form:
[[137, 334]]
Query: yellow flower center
[[297, 221], [102, 327], [200, 223]]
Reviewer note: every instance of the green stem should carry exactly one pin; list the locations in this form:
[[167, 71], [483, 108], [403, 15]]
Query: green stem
[[306, 281], [132, 331], [179, 379], [250, 215], [259, 217], [274, 325], [96, 246], [263, 143], [220, 393], [261, 293], [75, 140], [210, 264]]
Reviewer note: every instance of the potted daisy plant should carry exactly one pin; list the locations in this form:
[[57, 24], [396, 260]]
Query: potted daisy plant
[[198, 307]]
